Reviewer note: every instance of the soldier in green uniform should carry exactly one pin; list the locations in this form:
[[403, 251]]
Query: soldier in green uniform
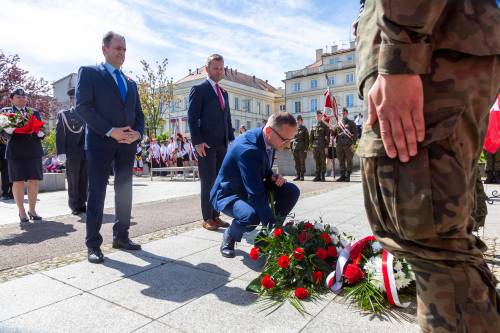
[[428, 72], [300, 144], [492, 168], [345, 138], [319, 138]]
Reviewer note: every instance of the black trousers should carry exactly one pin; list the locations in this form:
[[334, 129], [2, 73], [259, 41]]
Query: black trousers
[[76, 173], [98, 166], [6, 184], [208, 168]]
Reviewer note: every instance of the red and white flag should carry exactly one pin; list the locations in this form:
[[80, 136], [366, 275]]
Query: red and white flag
[[492, 141]]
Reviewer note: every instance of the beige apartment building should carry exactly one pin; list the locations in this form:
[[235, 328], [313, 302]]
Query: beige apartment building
[[336, 70], [252, 100]]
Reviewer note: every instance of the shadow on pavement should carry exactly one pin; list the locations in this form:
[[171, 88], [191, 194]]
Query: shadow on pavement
[[179, 285], [38, 232]]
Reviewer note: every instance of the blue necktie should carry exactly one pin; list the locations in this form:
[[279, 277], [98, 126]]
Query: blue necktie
[[121, 85]]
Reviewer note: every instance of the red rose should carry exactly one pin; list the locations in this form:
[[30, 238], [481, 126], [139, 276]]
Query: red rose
[[353, 274], [303, 236], [359, 246], [277, 232], [317, 276], [307, 225], [268, 282], [284, 262], [321, 253], [331, 251], [254, 253], [298, 253], [301, 293], [326, 238]]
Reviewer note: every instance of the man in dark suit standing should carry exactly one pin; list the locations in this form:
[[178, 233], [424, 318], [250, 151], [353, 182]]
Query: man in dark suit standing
[[109, 104], [209, 120], [246, 176], [70, 140]]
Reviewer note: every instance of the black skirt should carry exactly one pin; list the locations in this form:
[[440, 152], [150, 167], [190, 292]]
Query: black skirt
[[332, 153], [25, 169]]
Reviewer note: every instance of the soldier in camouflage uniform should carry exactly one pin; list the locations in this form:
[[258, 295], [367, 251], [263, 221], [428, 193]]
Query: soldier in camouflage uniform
[[428, 72], [300, 144], [345, 138], [319, 138], [480, 210], [492, 168]]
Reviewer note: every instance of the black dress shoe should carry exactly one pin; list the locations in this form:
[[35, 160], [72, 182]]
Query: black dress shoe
[[76, 212], [95, 256], [34, 217], [227, 246], [23, 220], [82, 209], [126, 245]]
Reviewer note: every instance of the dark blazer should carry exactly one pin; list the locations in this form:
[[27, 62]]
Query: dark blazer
[[207, 122], [70, 135], [24, 146], [242, 175], [99, 104]]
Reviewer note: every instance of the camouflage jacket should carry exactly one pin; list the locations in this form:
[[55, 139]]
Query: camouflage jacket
[[320, 136], [341, 138], [400, 36], [301, 139]]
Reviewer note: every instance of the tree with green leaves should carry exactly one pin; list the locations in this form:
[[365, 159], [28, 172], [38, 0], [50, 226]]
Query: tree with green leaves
[[156, 94]]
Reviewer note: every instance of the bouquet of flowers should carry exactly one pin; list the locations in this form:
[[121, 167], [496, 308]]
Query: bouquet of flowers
[[373, 278], [300, 254], [19, 123]]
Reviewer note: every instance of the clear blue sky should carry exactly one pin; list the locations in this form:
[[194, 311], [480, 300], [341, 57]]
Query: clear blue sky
[[264, 38]]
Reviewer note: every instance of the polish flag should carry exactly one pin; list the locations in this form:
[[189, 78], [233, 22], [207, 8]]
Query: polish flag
[[492, 141]]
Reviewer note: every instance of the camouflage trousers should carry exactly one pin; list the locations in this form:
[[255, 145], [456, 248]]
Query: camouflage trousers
[[299, 156], [319, 159], [422, 210], [345, 154], [480, 208]]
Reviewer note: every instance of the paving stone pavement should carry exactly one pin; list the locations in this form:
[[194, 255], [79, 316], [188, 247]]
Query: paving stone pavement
[[179, 282]]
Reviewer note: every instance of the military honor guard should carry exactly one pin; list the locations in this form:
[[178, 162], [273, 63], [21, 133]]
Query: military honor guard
[[345, 133], [70, 142], [300, 144], [320, 138]]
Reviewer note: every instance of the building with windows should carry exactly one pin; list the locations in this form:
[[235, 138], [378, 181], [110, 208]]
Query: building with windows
[[60, 88], [251, 100], [335, 70]]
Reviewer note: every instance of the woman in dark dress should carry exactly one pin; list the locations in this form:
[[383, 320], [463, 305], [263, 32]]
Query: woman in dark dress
[[24, 155]]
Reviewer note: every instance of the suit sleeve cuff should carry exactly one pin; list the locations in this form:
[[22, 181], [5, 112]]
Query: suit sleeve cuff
[[412, 58], [108, 133]]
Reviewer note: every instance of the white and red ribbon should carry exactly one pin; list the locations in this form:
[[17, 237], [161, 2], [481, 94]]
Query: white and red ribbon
[[390, 281], [334, 281]]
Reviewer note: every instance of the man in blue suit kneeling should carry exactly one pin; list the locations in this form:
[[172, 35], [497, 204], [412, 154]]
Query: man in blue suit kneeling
[[241, 187]]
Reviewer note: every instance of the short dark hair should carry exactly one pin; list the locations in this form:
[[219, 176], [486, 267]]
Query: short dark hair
[[344, 109], [106, 40], [299, 117], [281, 118], [214, 57]]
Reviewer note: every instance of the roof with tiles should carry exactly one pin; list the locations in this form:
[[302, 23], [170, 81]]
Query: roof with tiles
[[231, 75]]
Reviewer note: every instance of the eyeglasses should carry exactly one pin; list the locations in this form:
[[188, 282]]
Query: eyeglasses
[[282, 138]]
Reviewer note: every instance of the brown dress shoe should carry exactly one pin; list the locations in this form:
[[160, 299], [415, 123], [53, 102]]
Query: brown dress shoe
[[220, 223], [210, 225]]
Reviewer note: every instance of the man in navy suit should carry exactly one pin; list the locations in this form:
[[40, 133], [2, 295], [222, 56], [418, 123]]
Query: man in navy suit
[[246, 176], [109, 104], [211, 131]]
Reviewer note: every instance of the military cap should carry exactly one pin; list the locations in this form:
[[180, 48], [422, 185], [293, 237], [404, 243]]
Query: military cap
[[319, 112], [71, 92], [18, 90]]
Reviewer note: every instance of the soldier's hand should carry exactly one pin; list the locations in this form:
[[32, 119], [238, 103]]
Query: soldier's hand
[[396, 101]]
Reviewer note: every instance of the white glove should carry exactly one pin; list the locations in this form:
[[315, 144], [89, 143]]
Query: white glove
[[9, 130], [40, 134], [61, 158]]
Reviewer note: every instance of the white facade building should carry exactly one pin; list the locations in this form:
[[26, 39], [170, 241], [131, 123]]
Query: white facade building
[[60, 89], [251, 100], [304, 88]]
